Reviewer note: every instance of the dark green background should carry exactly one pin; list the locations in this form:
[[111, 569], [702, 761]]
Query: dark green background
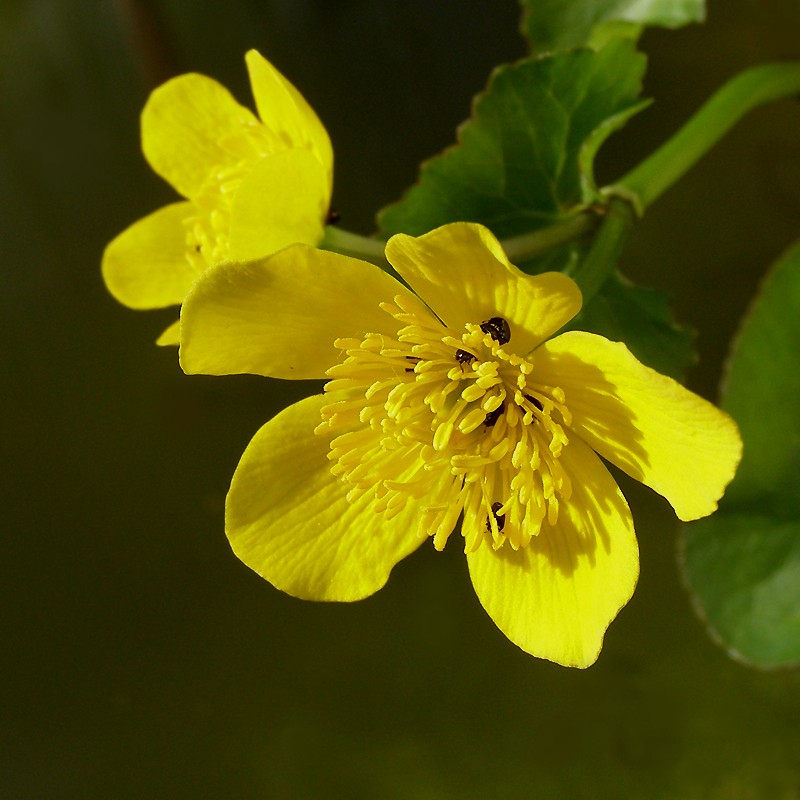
[[140, 658]]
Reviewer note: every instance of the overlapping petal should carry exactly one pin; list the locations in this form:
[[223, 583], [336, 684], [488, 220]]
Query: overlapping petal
[[283, 199], [184, 125], [556, 598], [280, 316], [289, 519], [461, 271], [146, 265], [171, 337], [643, 422], [285, 112]]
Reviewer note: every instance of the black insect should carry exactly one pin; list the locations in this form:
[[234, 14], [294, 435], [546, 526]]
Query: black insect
[[493, 416], [464, 357], [333, 217], [500, 519], [498, 329]]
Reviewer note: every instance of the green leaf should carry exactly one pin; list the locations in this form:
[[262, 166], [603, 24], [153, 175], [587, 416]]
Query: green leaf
[[615, 307], [743, 563], [560, 24], [524, 160], [643, 320], [595, 140]]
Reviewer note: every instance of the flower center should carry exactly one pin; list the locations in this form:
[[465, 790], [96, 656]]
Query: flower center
[[208, 229], [453, 421]]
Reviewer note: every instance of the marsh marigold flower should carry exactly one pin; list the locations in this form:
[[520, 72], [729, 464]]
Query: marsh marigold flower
[[449, 401], [252, 186]]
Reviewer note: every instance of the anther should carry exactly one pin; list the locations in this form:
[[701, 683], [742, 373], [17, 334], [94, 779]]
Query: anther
[[500, 519], [464, 357], [498, 329]]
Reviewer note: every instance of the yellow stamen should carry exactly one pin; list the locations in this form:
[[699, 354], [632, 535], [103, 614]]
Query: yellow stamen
[[451, 420]]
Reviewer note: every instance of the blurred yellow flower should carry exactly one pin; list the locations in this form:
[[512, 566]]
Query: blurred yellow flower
[[251, 186], [449, 401]]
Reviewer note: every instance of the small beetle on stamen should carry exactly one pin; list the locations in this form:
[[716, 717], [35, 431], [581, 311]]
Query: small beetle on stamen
[[464, 357], [498, 329]]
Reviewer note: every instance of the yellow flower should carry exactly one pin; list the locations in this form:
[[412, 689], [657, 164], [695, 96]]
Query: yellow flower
[[252, 186], [449, 402]]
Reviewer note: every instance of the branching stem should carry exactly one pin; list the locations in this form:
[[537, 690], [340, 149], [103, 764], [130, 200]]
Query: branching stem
[[633, 193], [710, 123]]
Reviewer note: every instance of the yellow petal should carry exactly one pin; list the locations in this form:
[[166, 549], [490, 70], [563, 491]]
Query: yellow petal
[[289, 519], [555, 598], [462, 273], [146, 265], [286, 113], [645, 423], [171, 336], [283, 199], [184, 125], [280, 316]]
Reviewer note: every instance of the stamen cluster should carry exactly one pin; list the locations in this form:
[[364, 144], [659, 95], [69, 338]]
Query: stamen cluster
[[208, 229], [451, 419]]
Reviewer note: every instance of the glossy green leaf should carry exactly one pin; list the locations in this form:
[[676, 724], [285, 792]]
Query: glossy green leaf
[[525, 158], [560, 24], [743, 563]]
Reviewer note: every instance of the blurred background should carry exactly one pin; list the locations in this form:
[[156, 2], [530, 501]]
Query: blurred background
[[140, 658]]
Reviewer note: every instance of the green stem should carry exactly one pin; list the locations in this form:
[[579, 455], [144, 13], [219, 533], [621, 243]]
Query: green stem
[[606, 248], [632, 193], [520, 249], [352, 244], [721, 112]]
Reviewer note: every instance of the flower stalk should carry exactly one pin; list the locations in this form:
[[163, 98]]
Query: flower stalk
[[519, 249], [592, 271], [352, 244], [746, 91], [634, 192], [527, 246]]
